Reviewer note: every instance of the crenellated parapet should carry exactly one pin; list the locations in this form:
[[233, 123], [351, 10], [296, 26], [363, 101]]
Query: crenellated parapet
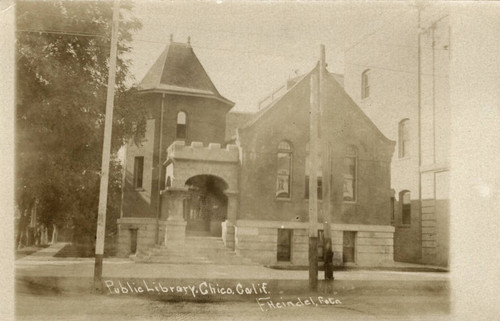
[[197, 151]]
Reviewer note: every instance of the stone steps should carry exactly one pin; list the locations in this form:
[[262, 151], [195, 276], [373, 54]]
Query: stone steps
[[195, 250]]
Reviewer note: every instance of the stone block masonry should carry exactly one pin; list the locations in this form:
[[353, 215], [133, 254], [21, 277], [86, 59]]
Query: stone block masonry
[[258, 240], [146, 234]]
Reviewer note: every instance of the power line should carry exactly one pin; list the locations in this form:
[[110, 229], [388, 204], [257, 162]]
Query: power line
[[61, 32], [395, 70]]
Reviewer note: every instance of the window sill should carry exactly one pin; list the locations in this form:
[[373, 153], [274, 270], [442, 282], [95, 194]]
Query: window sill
[[283, 199], [404, 225]]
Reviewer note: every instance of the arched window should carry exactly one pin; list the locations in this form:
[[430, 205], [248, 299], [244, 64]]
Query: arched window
[[405, 199], [284, 170], [350, 173], [365, 84], [181, 125], [404, 138]]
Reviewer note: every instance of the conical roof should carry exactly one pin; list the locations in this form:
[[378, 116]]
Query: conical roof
[[178, 71]]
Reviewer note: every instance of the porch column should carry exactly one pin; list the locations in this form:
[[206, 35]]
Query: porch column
[[228, 225], [173, 209]]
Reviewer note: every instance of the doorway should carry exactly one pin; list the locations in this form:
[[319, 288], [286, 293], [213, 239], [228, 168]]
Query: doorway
[[206, 207]]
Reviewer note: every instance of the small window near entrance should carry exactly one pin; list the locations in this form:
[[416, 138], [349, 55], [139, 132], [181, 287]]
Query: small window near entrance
[[284, 245], [138, 171]]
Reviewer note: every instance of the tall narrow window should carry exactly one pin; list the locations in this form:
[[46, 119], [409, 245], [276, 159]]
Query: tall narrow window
[[405, 199], [365, 84], [404, 138], [319, 175], [284, 170], [138, 171], [349, 172], [181, 125]]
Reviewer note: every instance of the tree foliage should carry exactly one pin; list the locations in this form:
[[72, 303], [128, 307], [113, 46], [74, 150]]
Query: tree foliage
[[62, 62]]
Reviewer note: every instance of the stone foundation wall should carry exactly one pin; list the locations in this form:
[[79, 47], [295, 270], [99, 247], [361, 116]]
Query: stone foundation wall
[[146, 234], [258, 240]]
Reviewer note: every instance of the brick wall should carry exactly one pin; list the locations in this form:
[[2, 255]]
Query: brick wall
[[288, 120]]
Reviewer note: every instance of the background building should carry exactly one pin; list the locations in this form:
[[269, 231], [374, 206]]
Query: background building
[[399, 76]]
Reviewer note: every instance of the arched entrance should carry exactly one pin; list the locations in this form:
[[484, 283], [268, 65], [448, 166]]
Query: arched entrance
[[206, 206]]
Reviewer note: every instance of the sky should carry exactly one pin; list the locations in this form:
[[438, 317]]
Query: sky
[[251, 48]]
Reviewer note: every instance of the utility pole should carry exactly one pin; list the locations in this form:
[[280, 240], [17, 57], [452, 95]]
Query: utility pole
[[106, 151], [326, 171], [420, 7], [313, 183]]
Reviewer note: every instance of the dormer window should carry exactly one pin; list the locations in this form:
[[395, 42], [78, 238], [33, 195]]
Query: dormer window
[[404, 138], [365, 84], [181, 125]]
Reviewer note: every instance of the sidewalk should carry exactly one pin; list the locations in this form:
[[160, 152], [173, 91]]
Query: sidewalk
[[76, 274]]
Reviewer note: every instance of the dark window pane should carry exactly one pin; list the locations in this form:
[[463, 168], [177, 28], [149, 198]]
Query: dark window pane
[[138, 171], [406, 208], [284, 244], [181, 131]]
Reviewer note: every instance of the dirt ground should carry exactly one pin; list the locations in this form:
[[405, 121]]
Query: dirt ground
[[42, 304]]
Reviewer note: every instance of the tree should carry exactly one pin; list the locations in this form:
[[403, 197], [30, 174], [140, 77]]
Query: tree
[[62, 56]]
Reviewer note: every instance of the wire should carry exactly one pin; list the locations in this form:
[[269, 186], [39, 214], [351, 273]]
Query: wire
[[60, 32], [396, 70]]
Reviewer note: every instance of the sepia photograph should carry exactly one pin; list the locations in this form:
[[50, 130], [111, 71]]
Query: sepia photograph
[[251, 160]]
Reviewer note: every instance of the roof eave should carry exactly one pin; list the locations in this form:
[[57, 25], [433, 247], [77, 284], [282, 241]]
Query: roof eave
[[184, 93]]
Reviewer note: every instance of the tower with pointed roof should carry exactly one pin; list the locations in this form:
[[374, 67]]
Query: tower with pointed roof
[[182, 104]]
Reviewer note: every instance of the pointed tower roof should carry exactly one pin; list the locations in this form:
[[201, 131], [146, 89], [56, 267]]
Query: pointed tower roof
[[178, 71]]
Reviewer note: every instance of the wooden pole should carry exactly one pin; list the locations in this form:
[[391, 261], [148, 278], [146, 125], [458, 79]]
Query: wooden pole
[[106, 153], [326, 170], [313, 185]]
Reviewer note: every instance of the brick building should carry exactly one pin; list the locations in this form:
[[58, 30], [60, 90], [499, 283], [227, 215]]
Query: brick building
[[403, 86], [247, 183]]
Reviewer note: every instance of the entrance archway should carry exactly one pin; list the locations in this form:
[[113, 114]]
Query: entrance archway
[[206, 207]]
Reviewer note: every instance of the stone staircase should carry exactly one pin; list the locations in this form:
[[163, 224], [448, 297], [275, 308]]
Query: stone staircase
[[195, 250]]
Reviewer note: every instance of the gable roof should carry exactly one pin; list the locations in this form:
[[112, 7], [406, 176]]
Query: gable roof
[[178, 71], [335, 80]]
